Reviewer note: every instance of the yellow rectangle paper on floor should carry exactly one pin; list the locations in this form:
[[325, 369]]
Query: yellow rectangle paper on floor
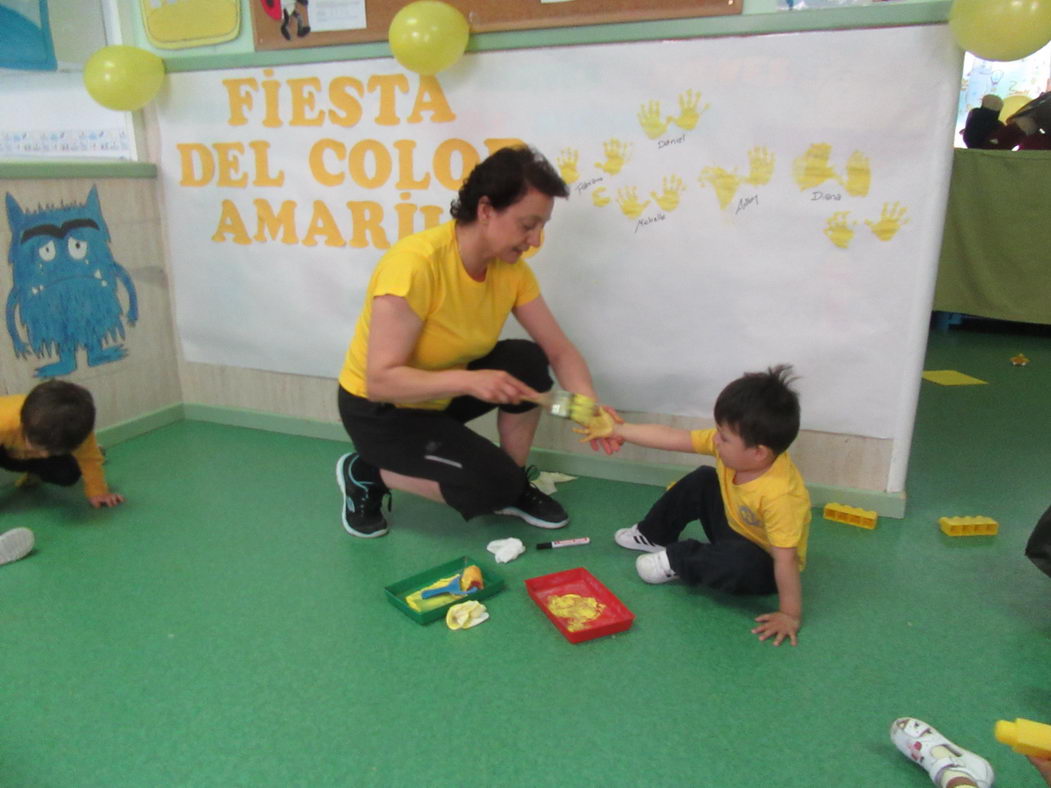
[[950, 377]]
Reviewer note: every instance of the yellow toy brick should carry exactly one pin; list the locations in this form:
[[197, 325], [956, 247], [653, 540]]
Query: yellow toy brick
[[851, 515], [969, 526]]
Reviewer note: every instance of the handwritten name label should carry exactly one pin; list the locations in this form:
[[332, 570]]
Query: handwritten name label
[[745, 202], [660, 217], [671, 141], [818, 195], [583, 187]]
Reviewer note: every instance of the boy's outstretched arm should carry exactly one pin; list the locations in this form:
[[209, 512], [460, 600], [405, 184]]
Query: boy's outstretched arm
[[786, 621], [652, 436], [656, 436]]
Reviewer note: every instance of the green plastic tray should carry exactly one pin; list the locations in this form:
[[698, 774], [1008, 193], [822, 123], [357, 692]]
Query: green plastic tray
[[397, 592]]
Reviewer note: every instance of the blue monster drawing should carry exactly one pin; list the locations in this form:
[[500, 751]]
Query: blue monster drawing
[[65, 286]]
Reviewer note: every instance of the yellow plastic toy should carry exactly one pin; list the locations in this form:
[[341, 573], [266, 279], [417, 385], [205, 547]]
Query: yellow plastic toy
[[851, 515], [969, 526], [1025, 737]]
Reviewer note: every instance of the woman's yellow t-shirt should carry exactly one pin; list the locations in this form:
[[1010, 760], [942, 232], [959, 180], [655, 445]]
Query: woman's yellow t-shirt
[[462, 318], [772, 510]]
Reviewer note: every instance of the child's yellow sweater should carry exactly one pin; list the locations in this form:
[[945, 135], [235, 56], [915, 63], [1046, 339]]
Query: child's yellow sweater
[[88, 455]]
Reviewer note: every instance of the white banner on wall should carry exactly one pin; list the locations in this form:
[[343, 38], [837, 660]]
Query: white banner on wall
[[736, 203]]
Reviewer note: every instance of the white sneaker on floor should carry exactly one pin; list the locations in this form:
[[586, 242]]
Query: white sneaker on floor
[[654, 567], [919, 742], [633, 540], [15, 544]]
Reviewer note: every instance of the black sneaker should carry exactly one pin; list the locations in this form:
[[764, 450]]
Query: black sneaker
[[362, 500], [536, 508]]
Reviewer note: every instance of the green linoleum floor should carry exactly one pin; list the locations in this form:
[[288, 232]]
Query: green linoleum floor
[[221, 629]]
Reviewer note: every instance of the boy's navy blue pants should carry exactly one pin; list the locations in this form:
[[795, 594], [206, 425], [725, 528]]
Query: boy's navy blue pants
[[727, 561], [61, 469]]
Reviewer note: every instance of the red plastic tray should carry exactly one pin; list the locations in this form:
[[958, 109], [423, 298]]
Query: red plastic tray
[[614, 618]]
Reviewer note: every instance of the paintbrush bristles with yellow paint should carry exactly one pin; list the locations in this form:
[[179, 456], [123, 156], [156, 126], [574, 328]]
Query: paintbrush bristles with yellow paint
[[567, 405]]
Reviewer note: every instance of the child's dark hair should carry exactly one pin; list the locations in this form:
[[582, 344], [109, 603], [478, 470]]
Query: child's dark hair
[[504, 178], [762, 408], [58, 416]]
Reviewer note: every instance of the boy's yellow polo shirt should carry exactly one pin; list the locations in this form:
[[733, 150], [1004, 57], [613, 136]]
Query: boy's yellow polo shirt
[[772, 510]]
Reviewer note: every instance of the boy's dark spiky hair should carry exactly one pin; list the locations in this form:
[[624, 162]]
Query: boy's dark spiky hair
[[762, 407], [57, 416]]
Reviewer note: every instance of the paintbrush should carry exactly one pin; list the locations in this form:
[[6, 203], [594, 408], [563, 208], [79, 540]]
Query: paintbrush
[[567, 405]]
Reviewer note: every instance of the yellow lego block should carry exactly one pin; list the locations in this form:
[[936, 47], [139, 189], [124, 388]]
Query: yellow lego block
[[969, 526], [851, 515]]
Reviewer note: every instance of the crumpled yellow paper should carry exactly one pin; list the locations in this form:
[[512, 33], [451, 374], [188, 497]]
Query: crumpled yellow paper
[[577, 610], [466, 615]]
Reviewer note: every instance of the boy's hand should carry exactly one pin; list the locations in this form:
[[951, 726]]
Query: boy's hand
[[601, 425], [1043, 765], [107, 500], [777, 625], [601, 430]]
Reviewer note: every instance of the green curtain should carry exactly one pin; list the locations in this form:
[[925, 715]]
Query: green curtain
[[996, 248]]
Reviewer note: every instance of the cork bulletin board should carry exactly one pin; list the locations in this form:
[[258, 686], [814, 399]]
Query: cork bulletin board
[[484, 16]]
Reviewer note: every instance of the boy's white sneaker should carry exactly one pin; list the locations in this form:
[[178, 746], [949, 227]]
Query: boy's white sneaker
[[654, 567], [15, 544], [632, 539], [923, 744]]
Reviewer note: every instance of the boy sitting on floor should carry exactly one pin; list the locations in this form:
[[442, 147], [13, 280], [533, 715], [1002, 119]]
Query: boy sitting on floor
[[753, 505]]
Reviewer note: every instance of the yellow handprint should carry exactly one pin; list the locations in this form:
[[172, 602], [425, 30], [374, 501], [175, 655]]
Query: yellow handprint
[[617, 155], [724, 182], [650, 120], [671, 187], [760, 167], [891, 218], [688, 113], [839, 230], [628, 200], [567, 165], [812, 168], [599, 198], [601, 425], [859, 175]]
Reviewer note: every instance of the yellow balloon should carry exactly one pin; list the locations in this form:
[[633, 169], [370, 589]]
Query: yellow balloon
[[427, 36], [1012, 104], [1001, 29], [123, 78]]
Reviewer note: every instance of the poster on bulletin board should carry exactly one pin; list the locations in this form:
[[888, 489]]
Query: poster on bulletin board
[[185, 25], [735, 203], [25, 36]]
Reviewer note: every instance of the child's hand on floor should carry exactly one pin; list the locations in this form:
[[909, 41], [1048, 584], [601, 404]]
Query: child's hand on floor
[[777, 625], [107, 500]]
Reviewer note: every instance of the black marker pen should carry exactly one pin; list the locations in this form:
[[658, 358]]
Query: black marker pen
[[563, 543]]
